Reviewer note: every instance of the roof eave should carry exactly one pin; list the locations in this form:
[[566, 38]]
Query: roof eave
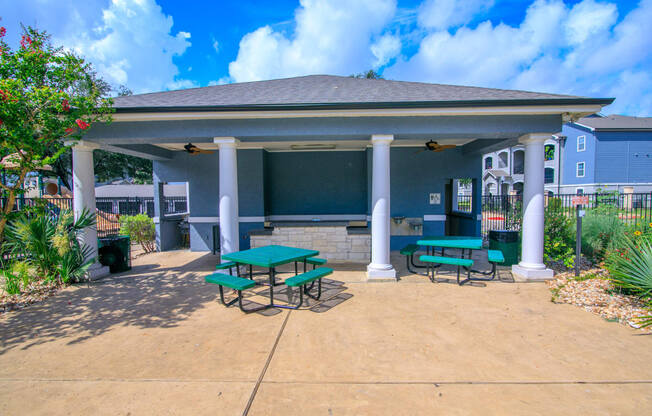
[[373, 105]]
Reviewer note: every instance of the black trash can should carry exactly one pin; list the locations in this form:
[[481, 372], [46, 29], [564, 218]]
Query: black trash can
[[115, 252], [507, 242]]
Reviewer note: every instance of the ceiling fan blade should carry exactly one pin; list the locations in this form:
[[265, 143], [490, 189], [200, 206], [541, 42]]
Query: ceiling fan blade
[[444, 147], [204, 151]]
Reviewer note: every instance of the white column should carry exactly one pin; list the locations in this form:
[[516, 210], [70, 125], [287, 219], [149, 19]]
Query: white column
[[531, 266], [83, 192], [380, 267], [229, 218]]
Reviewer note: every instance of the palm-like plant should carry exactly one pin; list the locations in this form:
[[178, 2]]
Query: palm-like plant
[[51, 244], [631, 270]]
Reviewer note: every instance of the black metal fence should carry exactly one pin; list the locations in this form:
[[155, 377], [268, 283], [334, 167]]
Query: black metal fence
[[109, 210], [464, 203], [505, 212]]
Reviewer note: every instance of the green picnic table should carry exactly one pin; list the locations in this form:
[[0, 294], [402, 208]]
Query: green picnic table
[[443, 242], [270, 257]]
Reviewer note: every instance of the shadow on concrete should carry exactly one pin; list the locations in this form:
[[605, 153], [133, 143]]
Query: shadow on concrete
[[332, 295], [148, 296]]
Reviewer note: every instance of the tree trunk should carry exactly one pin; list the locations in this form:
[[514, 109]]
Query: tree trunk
[[11, 198]]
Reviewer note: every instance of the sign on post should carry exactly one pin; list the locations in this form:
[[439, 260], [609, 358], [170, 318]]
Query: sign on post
[[578, 201]]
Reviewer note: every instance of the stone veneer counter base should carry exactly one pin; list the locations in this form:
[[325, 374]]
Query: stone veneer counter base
[[334, 243]]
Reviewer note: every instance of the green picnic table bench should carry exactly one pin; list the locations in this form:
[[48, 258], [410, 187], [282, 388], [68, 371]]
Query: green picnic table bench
[[460, 242], [270, 257], [436, 261]]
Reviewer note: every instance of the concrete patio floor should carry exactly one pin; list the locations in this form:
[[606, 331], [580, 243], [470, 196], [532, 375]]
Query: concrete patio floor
[[156, 340]]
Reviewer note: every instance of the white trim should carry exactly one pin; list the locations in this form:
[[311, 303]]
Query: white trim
[[577, 169], [389, 112], [194, 220], [272, 150], [585, 126], [583, 143], [434, 217], [316, 218], [609, 184], [252, 219]]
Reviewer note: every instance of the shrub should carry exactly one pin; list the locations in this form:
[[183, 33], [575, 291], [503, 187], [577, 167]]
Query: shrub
[[600, 229], [51, 244], [15, 274], [140, 229], [630, 266], [554, 204], [558, 239]]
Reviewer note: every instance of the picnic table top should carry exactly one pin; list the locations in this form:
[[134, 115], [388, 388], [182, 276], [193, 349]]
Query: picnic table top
[[270, 256], [452, 241]]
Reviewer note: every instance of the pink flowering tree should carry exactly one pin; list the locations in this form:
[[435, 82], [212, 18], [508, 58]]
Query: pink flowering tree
[[48, 95]]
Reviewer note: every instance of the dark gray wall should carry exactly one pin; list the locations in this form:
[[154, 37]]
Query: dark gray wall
[[302, 183], [202, 174], [305, 183], [414, 175]]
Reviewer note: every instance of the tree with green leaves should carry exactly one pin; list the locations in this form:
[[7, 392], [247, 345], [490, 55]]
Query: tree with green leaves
[[47, 95], [370, 74], [107, 166]]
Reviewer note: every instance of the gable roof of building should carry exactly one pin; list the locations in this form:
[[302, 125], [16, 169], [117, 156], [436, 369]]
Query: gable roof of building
[[616, 122], [327, 91]]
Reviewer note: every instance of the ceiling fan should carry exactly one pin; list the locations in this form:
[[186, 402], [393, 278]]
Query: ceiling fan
[[194, 150], [433, 146]]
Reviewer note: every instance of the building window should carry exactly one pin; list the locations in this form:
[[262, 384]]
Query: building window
[[579, 191], [488, 163], [549, 152], [581, 143], [549, 176], [579, 172], [519, 162]]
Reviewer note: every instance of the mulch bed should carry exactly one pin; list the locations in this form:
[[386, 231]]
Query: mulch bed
[[593, 292], [36, 292]]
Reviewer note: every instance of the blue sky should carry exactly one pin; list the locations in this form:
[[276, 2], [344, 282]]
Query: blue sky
[[589, 47]]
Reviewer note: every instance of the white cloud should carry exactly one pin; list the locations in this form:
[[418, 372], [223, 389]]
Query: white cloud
[[385, 49], [216, 45], [221, 81], [129, 41], [331, 36], [580, 50], [442, 14], [181, 84]]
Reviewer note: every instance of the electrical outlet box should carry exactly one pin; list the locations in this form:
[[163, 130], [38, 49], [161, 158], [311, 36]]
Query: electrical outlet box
[[435, 199]]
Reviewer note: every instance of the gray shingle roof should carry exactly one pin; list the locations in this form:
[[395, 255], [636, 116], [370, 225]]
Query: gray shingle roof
[[616, 122], [331, 91]]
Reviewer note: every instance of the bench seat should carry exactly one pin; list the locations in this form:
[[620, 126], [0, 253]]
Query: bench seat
[[447, 260], [227, 265], [307, 277], [316, 261], [233, 282], [495, 256], [409, 250]]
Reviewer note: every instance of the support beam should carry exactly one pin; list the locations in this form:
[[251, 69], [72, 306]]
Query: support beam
[[380, 268], [228, 172], [84, 198], [531, 266], [144, 151]]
